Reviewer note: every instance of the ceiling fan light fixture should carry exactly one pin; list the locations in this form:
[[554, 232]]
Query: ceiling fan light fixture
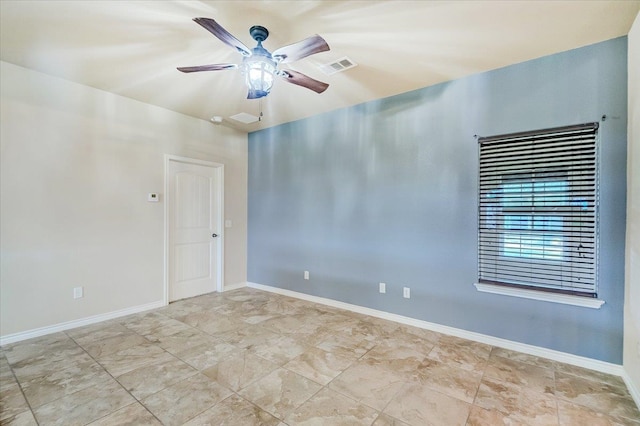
[[259, 72], [259, 68]]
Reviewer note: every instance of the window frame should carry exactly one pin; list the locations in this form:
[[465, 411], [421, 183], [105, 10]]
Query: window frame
[[532, 173]]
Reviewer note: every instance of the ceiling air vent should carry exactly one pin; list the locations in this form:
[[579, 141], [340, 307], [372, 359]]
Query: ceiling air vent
[[339, 65], [245, 118]]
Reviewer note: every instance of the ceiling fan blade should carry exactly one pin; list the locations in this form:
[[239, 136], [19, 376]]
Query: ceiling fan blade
[[225, 36], [302, 49], [212, 67], [300, 79]]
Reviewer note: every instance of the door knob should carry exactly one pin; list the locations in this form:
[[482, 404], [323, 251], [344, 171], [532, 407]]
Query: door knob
[[214, 235]]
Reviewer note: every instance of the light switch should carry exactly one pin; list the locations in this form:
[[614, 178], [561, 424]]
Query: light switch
[[153, 197], [228, 223]]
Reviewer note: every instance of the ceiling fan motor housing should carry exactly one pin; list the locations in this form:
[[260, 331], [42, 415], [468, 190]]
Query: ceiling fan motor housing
[[259, 33]]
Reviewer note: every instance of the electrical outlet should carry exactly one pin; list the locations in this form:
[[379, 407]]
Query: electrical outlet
[[77, 292], [306, 275], [383, 288], [406, 292]]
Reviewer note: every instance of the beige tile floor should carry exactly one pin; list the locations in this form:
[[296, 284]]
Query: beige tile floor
[[248, 357]]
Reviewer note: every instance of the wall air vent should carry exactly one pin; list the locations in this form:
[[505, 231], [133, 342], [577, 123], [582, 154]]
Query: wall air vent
[[339, 65]]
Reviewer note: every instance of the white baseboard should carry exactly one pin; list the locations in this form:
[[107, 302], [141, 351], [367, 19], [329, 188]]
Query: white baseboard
[[564, 357], [234, 286], [37, 332], [633, 389]]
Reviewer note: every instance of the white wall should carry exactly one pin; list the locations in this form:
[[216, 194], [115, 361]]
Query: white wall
[[632, 278], [76, 166]]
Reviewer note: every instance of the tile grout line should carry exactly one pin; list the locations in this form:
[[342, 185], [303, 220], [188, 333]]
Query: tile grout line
[[197, 371], [136, 400], [13, 374]]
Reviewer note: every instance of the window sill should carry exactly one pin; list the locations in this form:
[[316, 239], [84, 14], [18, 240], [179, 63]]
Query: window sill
[[584, 302]]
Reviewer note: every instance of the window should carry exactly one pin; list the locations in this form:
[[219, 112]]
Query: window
[[538, 210], [530, 232]]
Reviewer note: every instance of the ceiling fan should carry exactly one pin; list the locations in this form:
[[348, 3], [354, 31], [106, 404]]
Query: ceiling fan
[[259, 66]]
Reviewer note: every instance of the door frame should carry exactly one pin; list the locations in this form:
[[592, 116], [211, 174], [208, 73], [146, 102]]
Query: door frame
[[219, 167]]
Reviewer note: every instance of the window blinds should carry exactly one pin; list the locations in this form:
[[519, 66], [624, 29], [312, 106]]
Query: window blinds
[[538, 209]]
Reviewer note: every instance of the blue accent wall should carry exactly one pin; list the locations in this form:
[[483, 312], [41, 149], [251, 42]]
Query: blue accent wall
[[386, 192]]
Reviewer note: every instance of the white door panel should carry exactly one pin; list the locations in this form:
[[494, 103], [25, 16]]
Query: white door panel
[[194, 228], [193, 196]]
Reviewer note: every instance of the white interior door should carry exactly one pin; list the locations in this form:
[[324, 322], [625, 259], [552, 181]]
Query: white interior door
[[194, 201]]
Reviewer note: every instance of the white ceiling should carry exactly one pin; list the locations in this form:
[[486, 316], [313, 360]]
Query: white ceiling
[[132, 48]]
